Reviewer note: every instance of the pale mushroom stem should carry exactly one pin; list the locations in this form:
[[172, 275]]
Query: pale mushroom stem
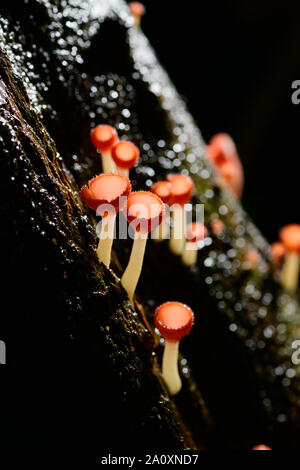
[[106, 239], [123, 171], [177, 239], [170, 367], [161, 232], [290, 271], [108, 165], [189, 257], [132, 273]]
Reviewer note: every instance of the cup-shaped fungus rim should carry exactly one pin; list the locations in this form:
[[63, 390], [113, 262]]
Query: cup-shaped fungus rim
[[182, 188], [107, 190], [104, 137], [144, 211], [125, 154], [174, 320], [290, 237], [163, 190], [195, 232]]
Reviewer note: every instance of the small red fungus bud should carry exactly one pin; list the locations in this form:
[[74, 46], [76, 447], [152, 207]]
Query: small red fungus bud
[[106, 194], [144, 211], [137, 10], [290, 237], [125, 155], [194, 233], [103, 138], [277, 252], [252, 258], [261, 447], [217, 226], [174, 320]]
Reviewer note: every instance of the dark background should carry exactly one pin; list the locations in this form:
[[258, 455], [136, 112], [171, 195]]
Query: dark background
[[234, 62]]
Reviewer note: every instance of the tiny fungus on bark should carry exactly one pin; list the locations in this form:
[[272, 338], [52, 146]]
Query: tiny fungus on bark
[[162, 189], [137, 10], [182, 188], [125, 155], [261, 447], [222, 153], [104, 138], [144, 211], [174, 321], [277, 253], [106, 194], [252, 258], [194, 233], [217, 227], [290, 237]]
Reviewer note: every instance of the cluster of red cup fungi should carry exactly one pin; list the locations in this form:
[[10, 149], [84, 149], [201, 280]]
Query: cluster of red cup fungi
[[110, 192]]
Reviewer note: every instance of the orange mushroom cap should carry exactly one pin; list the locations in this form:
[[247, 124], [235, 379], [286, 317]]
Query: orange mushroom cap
[[195, 232], [106, 189], [217, 226], [290, 237], [144, 211], [261, 447], [182, 188], [162, 189], [277, 251], [137, 9], [174, 320], [104, 137], [125, 154]]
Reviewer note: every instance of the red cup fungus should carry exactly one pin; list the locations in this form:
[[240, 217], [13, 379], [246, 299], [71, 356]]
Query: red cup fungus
[[144, 211], [162, 189], [290, 238], [137, 10], [106, 194], [182, 188], [194, 232], [104, 138], [174, 321], [125, 155]]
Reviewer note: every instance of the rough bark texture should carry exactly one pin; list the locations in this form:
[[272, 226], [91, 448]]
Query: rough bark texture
[[81, 369]]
